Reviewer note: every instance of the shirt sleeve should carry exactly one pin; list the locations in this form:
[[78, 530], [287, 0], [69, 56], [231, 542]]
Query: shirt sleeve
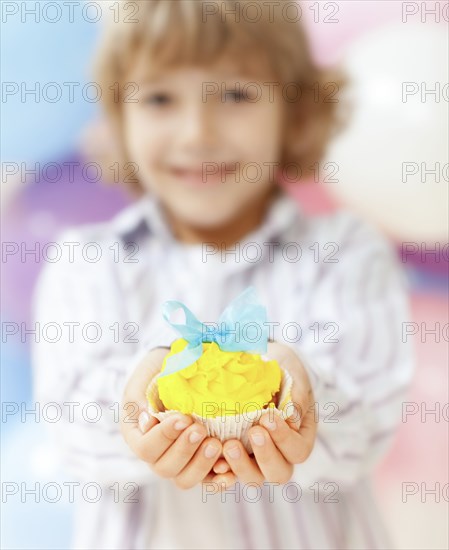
[[81, 363], [353, 350]]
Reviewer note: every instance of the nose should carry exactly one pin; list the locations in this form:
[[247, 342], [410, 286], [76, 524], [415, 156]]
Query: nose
[[197, 129]]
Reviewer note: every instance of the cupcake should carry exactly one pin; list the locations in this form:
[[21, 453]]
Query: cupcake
[[219, 381]]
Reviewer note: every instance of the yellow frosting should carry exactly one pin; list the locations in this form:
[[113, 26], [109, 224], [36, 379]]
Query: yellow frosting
[[219, 383]]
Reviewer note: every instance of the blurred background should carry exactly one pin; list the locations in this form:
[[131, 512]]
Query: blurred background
[[393, 170]]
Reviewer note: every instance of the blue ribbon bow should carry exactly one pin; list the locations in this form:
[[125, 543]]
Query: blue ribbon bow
[[241, 318]]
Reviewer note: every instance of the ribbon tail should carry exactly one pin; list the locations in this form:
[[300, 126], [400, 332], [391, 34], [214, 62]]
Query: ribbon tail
[[191, 330], [183, 359], [245, 324]]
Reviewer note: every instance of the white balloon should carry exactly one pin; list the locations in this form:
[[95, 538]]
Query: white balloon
[[398, 131]]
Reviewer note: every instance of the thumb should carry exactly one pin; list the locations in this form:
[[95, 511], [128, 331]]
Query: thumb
[[146, 421], [294, 415]]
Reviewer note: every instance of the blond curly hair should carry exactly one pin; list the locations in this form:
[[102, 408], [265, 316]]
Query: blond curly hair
[[174, 33]]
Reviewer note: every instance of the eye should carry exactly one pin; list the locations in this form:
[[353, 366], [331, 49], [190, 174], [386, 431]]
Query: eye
[[235, 96], [158, 99]]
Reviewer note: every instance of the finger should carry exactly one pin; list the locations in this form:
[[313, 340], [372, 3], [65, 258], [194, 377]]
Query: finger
[[295, 415], [200, 465], [134, 398], [245, 468], [301, 405], [153, 444], [181, 451], [294, 445], [133, 429], [221, 466], [225, 481], [146, 370], [302, 394], [307, 434], [216, 483], [274, 467], [209, 486], [146, 421]]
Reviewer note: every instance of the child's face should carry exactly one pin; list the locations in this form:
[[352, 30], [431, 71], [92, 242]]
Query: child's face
[[175, 128]]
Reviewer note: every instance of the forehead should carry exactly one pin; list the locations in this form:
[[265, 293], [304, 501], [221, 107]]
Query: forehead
[[252, 65]]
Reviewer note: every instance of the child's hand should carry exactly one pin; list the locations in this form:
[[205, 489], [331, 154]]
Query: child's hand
[[280, 444], [175, 448]]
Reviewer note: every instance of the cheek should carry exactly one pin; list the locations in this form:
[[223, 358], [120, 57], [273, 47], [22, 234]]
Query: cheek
[[133, 132], [258, 133], [143, 140]]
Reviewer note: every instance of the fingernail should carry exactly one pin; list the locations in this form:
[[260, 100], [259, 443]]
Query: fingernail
[[234, 452], [144, 420], [270, 424], [194, 437], [258, 439], [295, 414], [180, 425], [210, 451]]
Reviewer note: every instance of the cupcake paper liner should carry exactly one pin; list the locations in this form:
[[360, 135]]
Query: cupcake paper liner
[[228, 426]]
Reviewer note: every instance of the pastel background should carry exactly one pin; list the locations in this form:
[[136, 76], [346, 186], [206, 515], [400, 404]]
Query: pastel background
[[379, 50]]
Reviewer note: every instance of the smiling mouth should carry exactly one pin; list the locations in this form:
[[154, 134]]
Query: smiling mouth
[[210, 174]]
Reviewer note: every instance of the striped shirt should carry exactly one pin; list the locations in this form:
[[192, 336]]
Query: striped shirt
[[333, 292]]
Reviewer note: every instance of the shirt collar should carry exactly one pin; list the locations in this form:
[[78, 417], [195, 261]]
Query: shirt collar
[[281, 214]]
